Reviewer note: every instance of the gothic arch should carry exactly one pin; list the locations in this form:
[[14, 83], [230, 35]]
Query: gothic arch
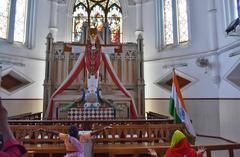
[[70, 7]]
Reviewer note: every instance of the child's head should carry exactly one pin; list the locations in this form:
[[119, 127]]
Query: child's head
[[73, 131]]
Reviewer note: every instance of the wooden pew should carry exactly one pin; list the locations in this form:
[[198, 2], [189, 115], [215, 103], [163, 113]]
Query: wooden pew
[[137, 133], [125, 140], [89, 124], [122, 149], [134, 138], [29, 134]]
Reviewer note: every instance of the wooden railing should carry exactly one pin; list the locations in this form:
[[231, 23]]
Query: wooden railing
[[138, 133], [89, 124], [122, 149], [120, 133], [128, 138], [27, 116], [153, 115], [133, 136]]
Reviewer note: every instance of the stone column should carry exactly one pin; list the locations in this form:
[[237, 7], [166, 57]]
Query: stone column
[[48, 72], [139, 19], [53, 18], [141, 90], [212, 20]]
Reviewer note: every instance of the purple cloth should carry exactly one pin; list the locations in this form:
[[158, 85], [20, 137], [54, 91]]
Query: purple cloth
[[12, 148], [75, 154], [238, 7], [78, 146]]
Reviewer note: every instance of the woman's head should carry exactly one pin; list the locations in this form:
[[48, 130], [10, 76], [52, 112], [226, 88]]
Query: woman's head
[[73, 131], [177, 137]]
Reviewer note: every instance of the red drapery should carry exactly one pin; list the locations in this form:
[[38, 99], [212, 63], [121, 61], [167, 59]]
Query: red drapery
[[66, 83], [77, 69], [119, 85]]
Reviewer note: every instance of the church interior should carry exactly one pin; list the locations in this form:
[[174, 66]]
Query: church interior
[[94, 63]]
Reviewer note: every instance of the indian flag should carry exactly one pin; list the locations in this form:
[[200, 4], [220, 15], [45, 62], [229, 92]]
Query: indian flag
[[177, 107]]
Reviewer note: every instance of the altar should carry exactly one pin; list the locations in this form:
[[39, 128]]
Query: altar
[[118, 109], [71, 76]]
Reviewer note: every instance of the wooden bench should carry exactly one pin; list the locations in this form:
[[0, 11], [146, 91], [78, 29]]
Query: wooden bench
[[29, 134], [52, 150], [122, 140], [137, 133], [133, 137]]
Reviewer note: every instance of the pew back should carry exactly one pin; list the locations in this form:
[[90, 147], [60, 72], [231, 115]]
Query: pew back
[[30, 134], [137, 133]]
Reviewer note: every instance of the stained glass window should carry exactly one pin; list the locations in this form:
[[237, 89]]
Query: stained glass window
[[14, 22], [182, 21], [97, 14], [113, 2], [97, 17], [168, 22], [175, 22], [19, 29], [114, 20], [4, 10], [79, 18]]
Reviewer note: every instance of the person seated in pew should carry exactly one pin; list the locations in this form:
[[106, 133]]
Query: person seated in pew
[[180, 147], [9, 146], [74, 142]]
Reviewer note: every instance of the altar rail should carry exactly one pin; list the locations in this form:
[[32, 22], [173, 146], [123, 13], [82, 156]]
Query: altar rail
[[88, 124], [121, 149], [142, 150], [120, 133], [138, 133], [27, 116], [124, 139]]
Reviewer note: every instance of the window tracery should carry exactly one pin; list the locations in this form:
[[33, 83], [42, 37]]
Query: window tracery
[[172, 23], [105, 15]]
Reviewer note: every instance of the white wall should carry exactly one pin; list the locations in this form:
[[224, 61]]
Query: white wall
[[201, 111], [199, 32], [16, 107], [229, 107], [42, 22], [34, 69], [229, 119], [209, 114], [202, 87]]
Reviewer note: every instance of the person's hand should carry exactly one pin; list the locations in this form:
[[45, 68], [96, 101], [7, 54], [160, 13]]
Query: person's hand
[[152, 152], [41, 130], [201, 150], [108, 127]]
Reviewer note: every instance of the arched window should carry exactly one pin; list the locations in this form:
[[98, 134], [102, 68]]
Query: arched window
[[13, 20], [172, 22], [100, 14]]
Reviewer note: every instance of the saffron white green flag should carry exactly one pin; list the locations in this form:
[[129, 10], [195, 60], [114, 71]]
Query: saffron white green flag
[[177, 107]]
